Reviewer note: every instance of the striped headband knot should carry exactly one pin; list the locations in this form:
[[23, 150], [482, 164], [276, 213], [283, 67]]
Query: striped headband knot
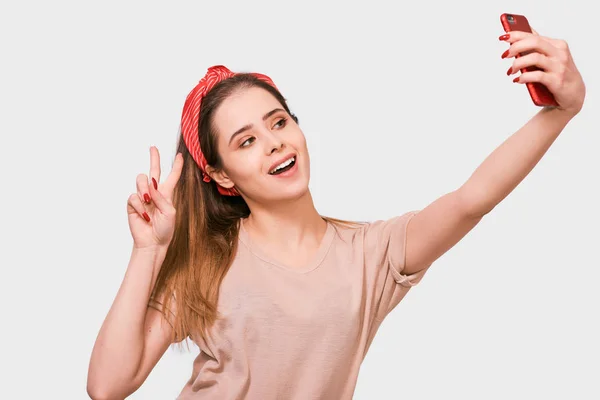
[[191, 115]]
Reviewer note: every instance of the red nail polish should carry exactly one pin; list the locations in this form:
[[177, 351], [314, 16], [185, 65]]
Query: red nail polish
[[146, 216], [509, 71], [155, 184], [504, 37], [147, 197], [516, 79], [505, 54]]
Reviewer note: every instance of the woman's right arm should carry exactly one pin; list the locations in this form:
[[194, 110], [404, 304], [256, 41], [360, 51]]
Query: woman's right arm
[[133, 336]]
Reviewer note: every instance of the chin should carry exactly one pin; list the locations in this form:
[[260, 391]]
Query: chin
[[297, 192], [292, 192], [274, 193]]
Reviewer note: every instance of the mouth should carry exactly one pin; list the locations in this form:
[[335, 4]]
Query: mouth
[[284, 166]]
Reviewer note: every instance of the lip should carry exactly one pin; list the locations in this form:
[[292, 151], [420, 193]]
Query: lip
[[276, 163]]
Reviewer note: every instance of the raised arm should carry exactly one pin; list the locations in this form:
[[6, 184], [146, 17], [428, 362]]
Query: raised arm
[[443, 223], [133, 337]]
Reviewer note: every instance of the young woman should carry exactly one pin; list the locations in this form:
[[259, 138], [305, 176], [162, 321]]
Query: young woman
[[230, 251]]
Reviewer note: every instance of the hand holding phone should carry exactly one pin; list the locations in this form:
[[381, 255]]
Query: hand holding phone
[[540, 95]]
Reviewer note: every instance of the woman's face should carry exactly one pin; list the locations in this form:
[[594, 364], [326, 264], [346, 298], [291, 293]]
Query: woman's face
[[263, 150]]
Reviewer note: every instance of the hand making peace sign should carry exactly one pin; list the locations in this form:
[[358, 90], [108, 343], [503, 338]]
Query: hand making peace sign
[[150, 211]]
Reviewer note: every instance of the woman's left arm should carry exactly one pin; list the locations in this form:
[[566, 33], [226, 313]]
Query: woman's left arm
[[443, 223]]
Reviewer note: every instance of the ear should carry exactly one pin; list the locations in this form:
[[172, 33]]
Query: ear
[[220, 177]]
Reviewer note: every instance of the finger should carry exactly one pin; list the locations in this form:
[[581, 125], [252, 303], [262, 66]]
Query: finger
[[143, 188], [529, 44], [514, 36], [174, 176], [162, 204], [135, 206], [534, 32], [554, 42], [154, 163], [531, 60], [536, 76]]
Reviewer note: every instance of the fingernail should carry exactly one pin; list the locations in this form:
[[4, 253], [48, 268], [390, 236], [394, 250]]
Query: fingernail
[[504, 37], [147, 197], [146, 216], [516, 79], [155, 184], [509, 71], [505, 54]]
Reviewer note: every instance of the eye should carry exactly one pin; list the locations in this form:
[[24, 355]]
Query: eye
[[247, 142], [281, 123]]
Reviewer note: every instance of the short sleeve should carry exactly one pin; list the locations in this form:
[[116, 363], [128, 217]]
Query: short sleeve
[[385, 256]]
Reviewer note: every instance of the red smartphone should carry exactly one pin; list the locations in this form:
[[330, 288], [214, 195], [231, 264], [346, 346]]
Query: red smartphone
[[539, 93]]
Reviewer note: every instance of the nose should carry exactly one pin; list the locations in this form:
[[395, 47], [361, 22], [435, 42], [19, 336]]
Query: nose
[[274, 144], [277, 148]]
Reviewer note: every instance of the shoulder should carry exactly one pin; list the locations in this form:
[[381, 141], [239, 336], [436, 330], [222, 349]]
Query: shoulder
[[390, 227], [345, 229], [359, 232], [375, 235], [373, 227], [384, 238]]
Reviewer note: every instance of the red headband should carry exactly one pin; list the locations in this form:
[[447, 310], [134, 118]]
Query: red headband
[[191, 115]]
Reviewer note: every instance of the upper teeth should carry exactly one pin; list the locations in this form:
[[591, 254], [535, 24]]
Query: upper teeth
[[282, 165]]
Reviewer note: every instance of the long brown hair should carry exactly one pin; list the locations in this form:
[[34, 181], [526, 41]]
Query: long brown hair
[[206, 229]]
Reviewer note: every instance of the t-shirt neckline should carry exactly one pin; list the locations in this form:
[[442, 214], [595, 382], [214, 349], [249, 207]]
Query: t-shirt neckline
[[315, 261]]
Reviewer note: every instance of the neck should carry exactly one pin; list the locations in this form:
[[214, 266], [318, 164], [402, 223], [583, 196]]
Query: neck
[[286, 224]]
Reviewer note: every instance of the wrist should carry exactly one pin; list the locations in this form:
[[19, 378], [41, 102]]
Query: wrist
[[562, 115], [155, 254]]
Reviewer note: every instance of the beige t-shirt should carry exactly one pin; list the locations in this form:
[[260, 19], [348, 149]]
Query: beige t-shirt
[[302, 333]]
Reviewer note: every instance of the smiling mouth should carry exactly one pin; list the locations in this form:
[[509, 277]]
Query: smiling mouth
[[284, 166]]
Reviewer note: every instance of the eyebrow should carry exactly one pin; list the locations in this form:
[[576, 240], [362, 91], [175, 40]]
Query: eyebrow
[[249, 126]]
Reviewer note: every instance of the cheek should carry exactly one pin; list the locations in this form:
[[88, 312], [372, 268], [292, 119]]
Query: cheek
[[299, 141], [243, 166]]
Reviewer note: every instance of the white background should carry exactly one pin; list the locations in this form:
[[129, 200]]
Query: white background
[[400, 102]]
